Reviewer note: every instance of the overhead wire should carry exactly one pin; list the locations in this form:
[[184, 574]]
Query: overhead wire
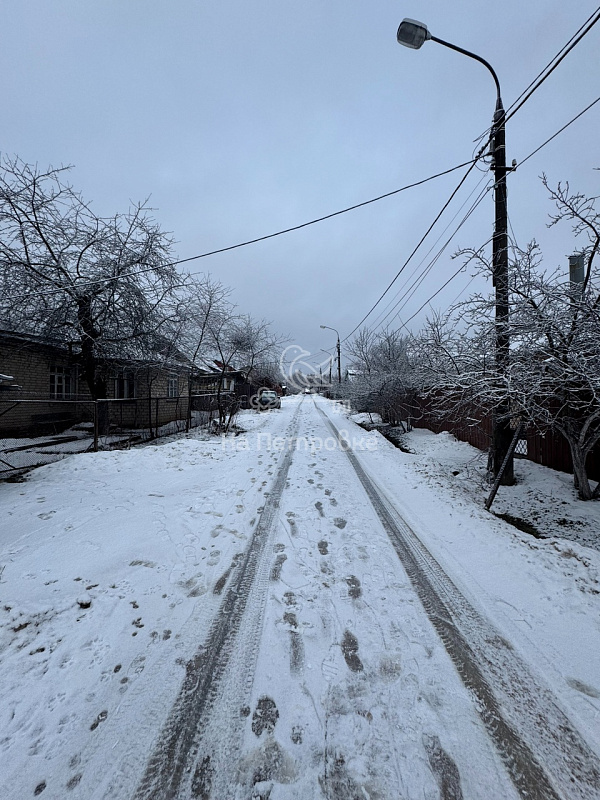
[[564, 127], [435, 294], [413, 252], [573, 42], [537, 149], [554, 62], [425, 256], [513, 108], [472, 163], [393, 304], [265, 237], [482, 195]]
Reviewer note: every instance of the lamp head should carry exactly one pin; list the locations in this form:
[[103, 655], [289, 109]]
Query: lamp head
[[322, 326], [412, 34]]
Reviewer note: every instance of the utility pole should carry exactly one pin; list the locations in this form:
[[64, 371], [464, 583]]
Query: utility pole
[[502, 434], [414, 34], [339, 357]]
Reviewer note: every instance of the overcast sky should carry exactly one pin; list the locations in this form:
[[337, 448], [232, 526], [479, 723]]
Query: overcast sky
[[242, 118]]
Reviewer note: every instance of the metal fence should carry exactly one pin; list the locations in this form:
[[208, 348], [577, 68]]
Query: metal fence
[[37, 431], [549, 449]]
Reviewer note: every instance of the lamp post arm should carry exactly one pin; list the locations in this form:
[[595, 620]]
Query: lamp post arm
[[481, 61], [502, 434]]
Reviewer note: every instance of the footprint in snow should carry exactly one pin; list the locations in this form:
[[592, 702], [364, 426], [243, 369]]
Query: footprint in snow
[[443, 767], [296, 643], [296, 734], [289, 599], [100, 718], [74, 781], [277, 567], [265, 716], [354, 588], [350, 652]]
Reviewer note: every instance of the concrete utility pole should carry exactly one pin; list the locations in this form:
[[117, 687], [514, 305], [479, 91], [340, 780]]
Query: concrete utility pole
[[502, 433], [414, 34], [339, 357]]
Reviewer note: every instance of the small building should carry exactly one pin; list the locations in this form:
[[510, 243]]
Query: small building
[[42, 390]]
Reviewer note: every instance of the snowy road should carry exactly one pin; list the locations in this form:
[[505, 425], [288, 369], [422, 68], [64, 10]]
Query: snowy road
[[270, 616]]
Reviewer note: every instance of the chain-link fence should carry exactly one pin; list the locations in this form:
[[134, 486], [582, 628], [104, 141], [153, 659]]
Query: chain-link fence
[[36, 431]]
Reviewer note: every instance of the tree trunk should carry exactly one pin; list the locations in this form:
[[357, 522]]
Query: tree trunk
[[580, 476], [93, 375], [88, 337], [501, 439]]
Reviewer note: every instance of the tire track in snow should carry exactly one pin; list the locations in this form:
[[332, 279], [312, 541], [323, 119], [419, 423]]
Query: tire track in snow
[[544, 754], [177, 748]]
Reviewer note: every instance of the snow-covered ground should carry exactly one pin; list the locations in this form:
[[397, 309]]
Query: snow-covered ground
[[543, 501], [120, 575]]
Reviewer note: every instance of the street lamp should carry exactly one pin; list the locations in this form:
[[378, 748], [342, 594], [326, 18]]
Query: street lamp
[[414, 34], [338, 351]]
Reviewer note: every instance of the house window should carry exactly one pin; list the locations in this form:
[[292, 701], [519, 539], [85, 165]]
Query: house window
[[173, 386], [125, 386], [62, 382]]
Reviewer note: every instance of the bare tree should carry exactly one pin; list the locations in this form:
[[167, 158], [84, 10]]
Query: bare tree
[[553, 377], [360, 350], [242, 342], [382, 374], [204, 307], [100, 284]]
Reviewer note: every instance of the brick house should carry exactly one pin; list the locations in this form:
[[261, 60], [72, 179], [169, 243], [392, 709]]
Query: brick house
[[46, 394]]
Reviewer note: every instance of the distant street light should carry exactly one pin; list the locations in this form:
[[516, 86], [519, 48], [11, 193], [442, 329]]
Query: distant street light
[[330, 363], [338, 351], [414, 34]]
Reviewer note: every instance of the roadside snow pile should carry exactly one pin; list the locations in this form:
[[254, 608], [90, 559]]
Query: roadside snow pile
[[366, 419], [543, 502]]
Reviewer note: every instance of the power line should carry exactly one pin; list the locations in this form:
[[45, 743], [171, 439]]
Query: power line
[[549, 68], [575, 39], [266, 236], [442, 287], [393, 305], [549, 64], [427, 254], [525, 95], [537, 149], [463, 290], [564, 127], [515, 106], [421, 240], [442, 249]]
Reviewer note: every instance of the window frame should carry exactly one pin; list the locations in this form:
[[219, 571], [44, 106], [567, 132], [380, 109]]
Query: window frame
[[124, 385], [63, 382], [172, 386]]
